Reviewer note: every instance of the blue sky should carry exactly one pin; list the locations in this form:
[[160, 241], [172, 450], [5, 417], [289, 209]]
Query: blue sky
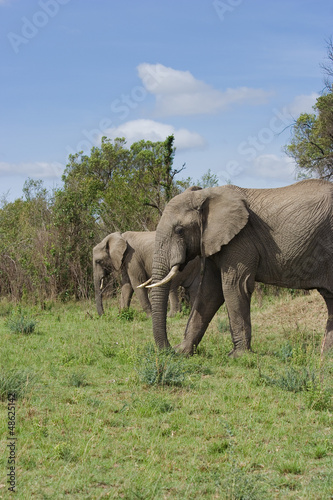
[[227, 77]]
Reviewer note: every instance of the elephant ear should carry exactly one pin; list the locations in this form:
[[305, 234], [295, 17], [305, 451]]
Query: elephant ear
[[116, 246], [224, 213]]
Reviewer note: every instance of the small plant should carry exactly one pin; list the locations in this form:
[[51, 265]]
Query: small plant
[[15, 382], [320, 452], [152, 405], [292, 380], [301, 347], [160, 367], [286, 352], [107, 349], [317, 397], [223, 325], [78, 379], [219, 447], [63, 451], [291, 467], [5, 309], [240, 484], [21, 324], [126, 314]]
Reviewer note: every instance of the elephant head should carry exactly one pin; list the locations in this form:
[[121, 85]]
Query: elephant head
[[196, 222], [107, 256]]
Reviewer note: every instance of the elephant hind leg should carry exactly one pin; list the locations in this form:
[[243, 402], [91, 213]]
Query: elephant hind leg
[[328, 339], [237, 295]]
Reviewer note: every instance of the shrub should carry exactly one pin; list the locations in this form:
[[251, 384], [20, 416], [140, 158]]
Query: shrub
[[78, 379], [126, 314], [63, 451], [291, 380], [155, 367], [21, 324], [15, 382], [318, 397], [240, 484]]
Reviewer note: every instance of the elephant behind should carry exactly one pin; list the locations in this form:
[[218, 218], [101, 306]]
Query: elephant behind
[[131, 253]]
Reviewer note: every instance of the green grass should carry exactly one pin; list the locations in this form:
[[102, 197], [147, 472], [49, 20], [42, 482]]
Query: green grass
[[101, 414]]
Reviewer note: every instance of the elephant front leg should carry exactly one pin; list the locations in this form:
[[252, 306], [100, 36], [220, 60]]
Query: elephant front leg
[[142, 295], [208, 300], [237, 293], [126, 295]]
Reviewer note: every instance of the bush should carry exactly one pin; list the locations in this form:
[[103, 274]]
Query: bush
[[165, 367], [15, 382], [127, 314], [292, 380], [241, 484], [78, 379], [21, 324], [318, 397]]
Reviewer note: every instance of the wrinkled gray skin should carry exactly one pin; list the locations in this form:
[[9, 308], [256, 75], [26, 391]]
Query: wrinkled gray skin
[[131, 253], [280, 236]]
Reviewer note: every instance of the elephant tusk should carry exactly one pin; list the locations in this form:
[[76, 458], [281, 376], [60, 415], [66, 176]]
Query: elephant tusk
[[145, 283], [169, 277], [101, 285]]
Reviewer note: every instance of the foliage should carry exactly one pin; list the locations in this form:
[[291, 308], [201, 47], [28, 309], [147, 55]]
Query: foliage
[[122, 185], [311, 145], [46, 239], [209, 179]]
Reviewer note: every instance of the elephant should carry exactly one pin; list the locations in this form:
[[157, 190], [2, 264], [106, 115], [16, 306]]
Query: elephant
[[279, 236], [132, 254]]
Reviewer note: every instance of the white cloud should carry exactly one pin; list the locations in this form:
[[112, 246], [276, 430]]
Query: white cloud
[[150, 130], [273, 167], [180, 93], [266, 171], [40, 170], [302, 104]]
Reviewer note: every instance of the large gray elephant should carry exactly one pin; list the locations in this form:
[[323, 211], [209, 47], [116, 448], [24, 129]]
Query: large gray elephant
[[281, 236], [131, 253]]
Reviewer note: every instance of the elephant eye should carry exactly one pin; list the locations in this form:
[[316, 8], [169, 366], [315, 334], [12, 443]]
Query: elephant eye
[[179, 230]]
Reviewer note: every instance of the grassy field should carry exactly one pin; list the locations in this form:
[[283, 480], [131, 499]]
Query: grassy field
[[100, 414]]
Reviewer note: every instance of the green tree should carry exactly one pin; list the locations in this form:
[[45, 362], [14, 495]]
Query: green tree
[[25, 242], [311, 145], [209, 179], [124, 188]]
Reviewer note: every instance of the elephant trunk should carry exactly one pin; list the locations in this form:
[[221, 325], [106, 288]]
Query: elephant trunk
[[159, 303], [98, 276]]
